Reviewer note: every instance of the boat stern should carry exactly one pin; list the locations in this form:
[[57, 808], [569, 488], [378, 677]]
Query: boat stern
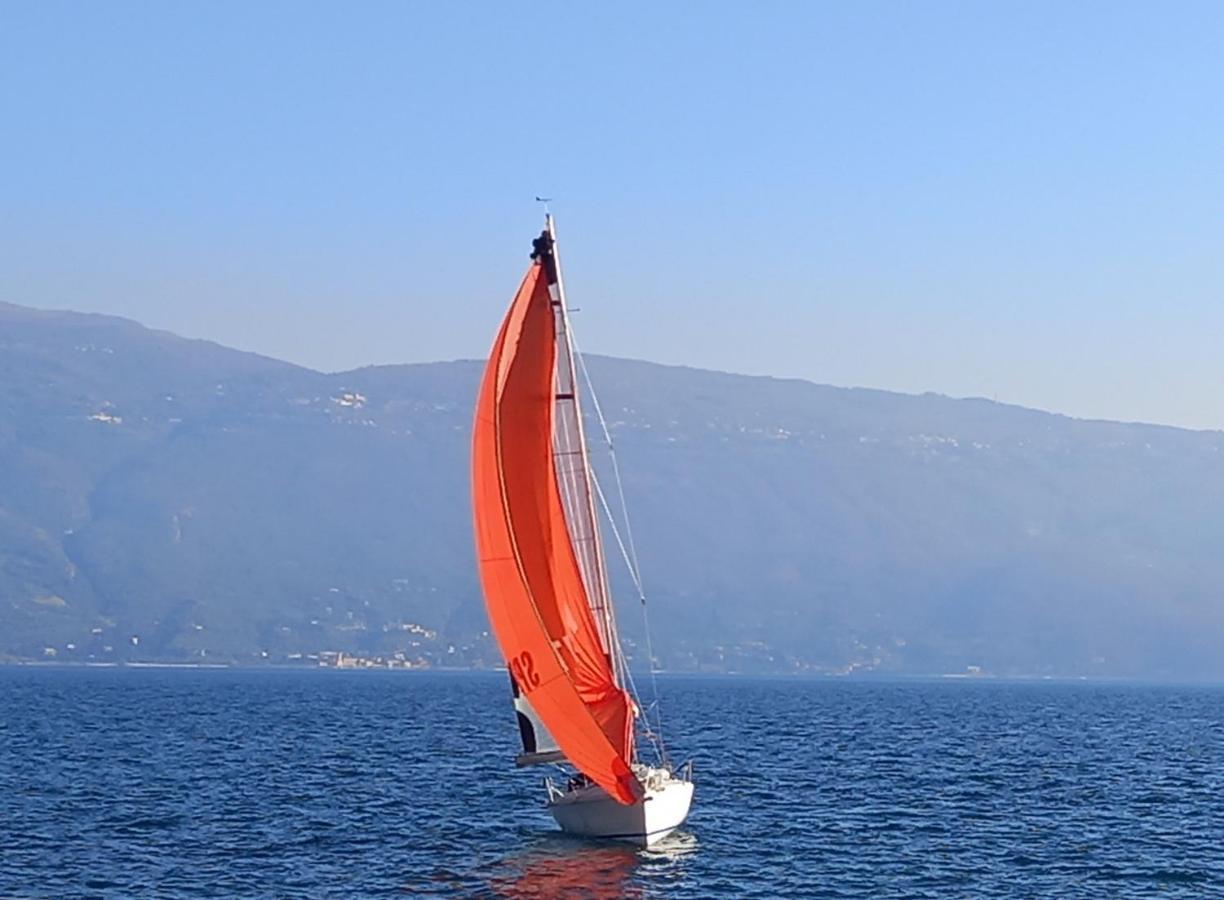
[[589, 812]]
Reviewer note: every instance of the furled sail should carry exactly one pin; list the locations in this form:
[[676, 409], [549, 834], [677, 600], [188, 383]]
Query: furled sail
[[534, 590]]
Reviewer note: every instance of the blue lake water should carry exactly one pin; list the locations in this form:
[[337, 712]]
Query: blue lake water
[[155, 783]]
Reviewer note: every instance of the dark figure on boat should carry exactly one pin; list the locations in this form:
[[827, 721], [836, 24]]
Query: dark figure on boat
[[542, 251], [578, 781]]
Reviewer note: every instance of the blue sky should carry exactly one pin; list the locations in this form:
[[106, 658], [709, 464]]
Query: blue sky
[[1012, 200]]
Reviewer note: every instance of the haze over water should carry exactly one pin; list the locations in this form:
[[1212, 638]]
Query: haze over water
[[120, 783]]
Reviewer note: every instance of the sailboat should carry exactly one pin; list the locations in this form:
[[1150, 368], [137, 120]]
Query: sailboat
[[545, 580]]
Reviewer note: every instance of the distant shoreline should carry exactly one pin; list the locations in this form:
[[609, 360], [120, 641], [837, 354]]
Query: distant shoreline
[[855, 677]]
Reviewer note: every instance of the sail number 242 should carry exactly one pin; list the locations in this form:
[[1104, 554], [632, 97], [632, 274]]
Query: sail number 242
[[523, 668]]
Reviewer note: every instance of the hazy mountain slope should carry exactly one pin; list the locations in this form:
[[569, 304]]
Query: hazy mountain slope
[[209, 501], [974, 533]]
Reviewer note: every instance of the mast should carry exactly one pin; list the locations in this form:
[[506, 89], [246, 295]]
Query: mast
[[574, 467]]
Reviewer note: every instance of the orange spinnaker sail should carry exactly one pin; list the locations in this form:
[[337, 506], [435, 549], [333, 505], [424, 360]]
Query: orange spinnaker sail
[[533, 587]]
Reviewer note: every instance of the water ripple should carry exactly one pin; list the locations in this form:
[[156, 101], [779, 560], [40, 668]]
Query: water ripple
[[119, 783]]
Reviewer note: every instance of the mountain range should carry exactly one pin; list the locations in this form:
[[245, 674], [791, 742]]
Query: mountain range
[[166, 499]]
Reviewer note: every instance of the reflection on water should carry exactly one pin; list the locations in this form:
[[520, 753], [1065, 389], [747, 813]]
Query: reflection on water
[[561, 866]]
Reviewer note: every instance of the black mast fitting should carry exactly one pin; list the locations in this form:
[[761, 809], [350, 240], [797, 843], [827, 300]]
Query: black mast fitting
[[542, 252]]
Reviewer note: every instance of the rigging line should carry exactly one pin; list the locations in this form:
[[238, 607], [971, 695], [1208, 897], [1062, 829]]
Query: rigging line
[[582, 531], [620, 488], [631, 560], [655, 733], [580, 511], [603, 502], [657, 730], [565, 350], [564, 445]]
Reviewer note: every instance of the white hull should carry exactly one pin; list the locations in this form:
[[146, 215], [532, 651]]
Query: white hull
[[590, 812]]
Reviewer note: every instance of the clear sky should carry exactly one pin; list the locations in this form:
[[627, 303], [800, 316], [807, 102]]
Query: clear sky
[[1013, 200]]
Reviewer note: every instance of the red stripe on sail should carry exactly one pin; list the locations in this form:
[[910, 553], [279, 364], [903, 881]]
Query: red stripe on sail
[[533, 588]]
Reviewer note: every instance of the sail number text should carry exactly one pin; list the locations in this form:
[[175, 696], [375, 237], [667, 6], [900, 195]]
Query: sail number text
[[523, 668]]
